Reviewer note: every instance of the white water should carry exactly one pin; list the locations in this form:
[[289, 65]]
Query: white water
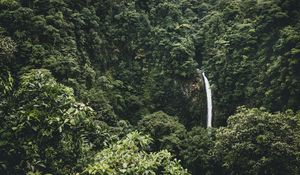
[[209, 101]]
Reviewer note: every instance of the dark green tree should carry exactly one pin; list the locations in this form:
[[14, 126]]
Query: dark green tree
[[166, 131], [258, 142], [127, 156], [48, 130], [197, 150]]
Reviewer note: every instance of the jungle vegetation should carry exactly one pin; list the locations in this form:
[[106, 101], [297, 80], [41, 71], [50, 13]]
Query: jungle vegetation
[[109, 87]]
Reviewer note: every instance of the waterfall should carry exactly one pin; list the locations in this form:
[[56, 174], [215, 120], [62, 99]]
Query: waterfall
[[208, 98], [209, 101]]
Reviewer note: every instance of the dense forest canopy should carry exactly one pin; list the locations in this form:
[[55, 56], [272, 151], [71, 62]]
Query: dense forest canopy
[[110, 87]]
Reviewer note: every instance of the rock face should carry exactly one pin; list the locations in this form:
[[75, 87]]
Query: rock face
[[194, 92]]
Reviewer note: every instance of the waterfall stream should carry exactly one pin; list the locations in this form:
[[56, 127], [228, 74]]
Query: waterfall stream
[[209, 101], [208, 98]]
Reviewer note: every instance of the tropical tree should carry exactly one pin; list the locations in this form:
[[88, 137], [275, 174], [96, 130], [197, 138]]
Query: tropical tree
[[128, 156], [47, 130], [258, 142], [197, 149], [166, 131]]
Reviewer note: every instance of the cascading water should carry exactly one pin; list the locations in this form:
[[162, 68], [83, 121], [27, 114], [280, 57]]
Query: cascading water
[[208, 99]]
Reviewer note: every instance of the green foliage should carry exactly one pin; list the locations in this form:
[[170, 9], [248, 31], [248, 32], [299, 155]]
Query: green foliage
[[6, 82], [257, 142], [127, 156], [48, 131], [166, 131], [197, 151], [250, 55], [7, 47], [129, 59]]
